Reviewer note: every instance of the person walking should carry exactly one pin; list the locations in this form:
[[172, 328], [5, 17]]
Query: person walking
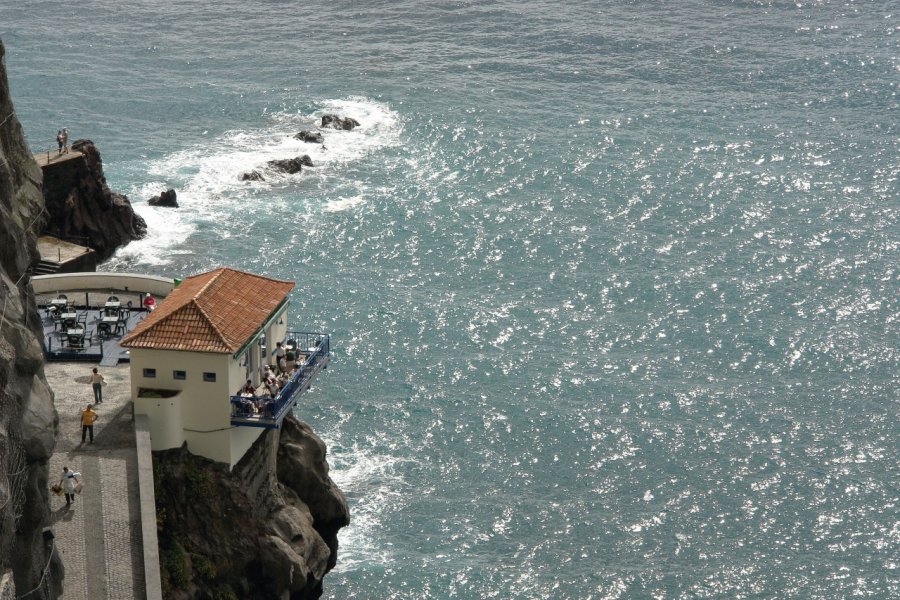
[[97, 384], [68, 481], [59, 139], [88, 416], [65, 139]]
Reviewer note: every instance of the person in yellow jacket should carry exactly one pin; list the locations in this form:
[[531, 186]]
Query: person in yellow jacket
[[88, 416]]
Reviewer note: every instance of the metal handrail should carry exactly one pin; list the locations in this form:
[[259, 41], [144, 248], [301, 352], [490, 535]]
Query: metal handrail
[[317, 347]]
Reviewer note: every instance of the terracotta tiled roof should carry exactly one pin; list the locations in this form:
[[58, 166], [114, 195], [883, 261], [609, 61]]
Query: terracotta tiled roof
[[216, 311]]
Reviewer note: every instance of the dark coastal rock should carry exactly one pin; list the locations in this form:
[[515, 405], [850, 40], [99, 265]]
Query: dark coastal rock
[[291, 165], [252, 176], [267, 529], [312, 137], [28, 421], [167, 198], [81, 208], [336, 122]]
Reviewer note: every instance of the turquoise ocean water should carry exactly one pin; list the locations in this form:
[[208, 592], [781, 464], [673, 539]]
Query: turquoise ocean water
[[612, 285]]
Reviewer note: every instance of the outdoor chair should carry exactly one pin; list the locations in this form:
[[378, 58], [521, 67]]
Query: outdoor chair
[[103, 330]]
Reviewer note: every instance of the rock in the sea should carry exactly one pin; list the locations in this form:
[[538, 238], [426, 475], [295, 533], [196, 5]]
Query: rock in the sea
[[312, 137], [167, 198], [336, 122], [252, 176], [291, 165]]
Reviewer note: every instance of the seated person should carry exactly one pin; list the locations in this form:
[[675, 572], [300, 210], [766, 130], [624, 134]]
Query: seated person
[[248, 388]]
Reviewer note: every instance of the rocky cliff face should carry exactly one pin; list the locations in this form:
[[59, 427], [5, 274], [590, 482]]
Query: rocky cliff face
[[266, 530], [28, 420], [81, 207]]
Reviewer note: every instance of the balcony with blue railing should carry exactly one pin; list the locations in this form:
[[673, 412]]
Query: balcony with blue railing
[[313, 351]]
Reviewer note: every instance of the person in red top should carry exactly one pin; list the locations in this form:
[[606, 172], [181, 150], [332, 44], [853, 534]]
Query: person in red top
[[149, 302]]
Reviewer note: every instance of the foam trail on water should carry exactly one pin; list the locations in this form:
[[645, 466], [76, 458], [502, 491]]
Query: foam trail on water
[[373, 489], [207, 177]]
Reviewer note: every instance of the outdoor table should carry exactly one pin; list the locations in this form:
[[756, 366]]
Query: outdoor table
[[75, 336], [116, 304], [69, 315], [59, 302]]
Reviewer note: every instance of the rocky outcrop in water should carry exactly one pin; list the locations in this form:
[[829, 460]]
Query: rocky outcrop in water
[[268, 529], [28, 420], [81, 208], [336, 122], [311, 137], [291, 165], [168, 199], [253, 175]]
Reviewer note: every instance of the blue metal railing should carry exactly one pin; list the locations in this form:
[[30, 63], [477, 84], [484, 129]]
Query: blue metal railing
[[316, 348]]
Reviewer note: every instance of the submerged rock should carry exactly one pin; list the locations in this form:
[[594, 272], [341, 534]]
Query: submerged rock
[[251, 176], [312, 137], [336, 122], [167, 198]]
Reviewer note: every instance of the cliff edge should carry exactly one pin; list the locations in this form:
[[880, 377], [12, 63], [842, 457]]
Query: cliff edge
[[28, 419], [268, 529], [81, 208]]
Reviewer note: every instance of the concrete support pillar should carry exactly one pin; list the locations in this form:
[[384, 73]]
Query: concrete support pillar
[[270, 344], [255, 362]]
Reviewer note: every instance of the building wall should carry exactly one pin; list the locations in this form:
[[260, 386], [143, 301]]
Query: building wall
[[134, 282], [205, 409], [165, 419]]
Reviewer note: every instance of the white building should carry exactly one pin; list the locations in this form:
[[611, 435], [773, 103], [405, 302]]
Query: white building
[[190, 355]]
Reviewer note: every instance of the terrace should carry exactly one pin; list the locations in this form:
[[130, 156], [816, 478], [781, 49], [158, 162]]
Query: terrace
[[87, 326], [313, 352]]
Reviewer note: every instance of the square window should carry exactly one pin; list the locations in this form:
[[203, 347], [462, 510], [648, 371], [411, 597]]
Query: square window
[[209, 377], [179, 374], [150, 373]]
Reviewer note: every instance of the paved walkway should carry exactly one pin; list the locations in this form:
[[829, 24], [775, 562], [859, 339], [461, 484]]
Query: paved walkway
[[99, 538]]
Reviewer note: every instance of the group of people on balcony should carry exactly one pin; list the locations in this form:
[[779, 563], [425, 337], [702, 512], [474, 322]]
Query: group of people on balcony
[[273, 381]]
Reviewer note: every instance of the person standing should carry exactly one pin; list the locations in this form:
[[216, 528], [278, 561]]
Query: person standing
[[59, 139], [65, 139], [279, 357], [97, 384], [68, 481], [88, 416]]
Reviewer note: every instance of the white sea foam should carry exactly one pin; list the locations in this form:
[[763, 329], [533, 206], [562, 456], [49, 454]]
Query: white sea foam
[[207, 177], [343, 203], [374, 490]]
